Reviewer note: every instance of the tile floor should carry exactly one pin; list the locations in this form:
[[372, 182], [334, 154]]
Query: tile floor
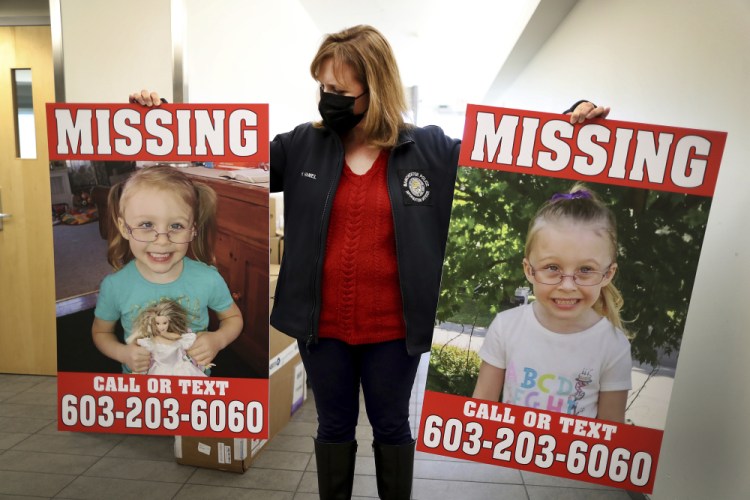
[[38, 461]]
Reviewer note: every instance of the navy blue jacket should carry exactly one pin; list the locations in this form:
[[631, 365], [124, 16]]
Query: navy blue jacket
[[306, 164]]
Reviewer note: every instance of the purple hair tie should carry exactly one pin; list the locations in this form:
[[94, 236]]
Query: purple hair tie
[[575, 195]]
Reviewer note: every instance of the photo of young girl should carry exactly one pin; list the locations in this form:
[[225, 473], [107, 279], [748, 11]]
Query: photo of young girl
[[567, 351], [161, 246], [163, 330]]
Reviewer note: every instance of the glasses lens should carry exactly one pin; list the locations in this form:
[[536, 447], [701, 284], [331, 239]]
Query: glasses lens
[[548, 276], [589, 278], [180, 235], [144, 234]]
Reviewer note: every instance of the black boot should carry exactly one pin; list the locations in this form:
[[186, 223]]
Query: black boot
[[335, 469], [394, 466]]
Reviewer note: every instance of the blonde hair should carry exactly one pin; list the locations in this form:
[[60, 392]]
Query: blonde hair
[[144, 325], [581, 204], [198, 196], [366, 51]]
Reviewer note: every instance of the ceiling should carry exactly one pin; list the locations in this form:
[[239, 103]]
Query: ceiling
[[452, 50]]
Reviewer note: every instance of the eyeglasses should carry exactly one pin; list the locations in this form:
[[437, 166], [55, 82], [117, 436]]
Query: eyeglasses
[[551, 275], [150, 235]]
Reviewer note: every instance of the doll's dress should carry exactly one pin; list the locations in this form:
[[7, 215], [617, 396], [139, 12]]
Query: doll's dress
[[171, 359]]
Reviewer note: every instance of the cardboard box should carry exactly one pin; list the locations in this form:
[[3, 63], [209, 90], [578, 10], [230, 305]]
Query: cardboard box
[[275, 247], [288, 387], [288, 383], [272, 216], [277, 341], [228, 454]]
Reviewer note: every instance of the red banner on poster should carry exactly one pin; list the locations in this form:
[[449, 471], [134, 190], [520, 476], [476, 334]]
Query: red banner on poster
[[605, 151], [170, 132], [145, 404], [609, 453]]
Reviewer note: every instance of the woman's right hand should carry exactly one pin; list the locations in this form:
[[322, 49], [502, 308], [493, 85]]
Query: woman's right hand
[[145, 98]]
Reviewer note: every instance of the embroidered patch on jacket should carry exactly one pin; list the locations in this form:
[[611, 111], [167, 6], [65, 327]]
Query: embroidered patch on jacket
[[416, 187]]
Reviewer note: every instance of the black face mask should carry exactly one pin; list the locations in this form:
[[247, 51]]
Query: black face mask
[[338, 111]]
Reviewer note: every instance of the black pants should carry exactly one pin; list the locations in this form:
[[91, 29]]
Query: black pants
[[385, 370]]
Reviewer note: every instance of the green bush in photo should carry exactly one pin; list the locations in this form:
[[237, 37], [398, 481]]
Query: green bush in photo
[[453, 370]]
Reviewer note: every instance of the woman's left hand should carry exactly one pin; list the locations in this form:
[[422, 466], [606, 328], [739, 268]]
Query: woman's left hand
[[145, 98], [588, 110]]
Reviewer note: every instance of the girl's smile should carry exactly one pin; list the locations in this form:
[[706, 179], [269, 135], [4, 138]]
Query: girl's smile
[[566, 303], [160, 257]]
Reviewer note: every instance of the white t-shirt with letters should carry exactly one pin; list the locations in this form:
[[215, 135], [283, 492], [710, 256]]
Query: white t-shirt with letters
[[561, 372]]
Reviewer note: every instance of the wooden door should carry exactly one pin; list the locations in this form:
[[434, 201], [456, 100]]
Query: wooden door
[[27, 274]]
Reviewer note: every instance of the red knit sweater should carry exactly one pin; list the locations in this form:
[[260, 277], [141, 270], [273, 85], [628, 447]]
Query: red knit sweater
[[361, 295]]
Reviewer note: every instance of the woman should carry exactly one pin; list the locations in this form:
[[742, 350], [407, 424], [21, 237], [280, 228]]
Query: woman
[[367, 201]]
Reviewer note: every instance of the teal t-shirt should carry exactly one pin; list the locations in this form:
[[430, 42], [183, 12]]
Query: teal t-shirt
[[200, 287]]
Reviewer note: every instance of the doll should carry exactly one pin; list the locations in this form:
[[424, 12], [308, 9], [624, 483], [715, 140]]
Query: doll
[[162, 329]]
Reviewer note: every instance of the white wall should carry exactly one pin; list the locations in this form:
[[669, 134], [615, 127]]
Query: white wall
[[253, 51], [114, 47], [687, 64]]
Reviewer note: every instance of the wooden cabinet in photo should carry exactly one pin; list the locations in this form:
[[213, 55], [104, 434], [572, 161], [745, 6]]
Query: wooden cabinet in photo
[[242, 259]]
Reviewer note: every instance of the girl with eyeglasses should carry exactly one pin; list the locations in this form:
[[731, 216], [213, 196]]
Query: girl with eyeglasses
[[567, 351], [157, 218]]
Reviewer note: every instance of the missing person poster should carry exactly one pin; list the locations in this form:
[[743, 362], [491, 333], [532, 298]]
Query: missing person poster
[[176, 337], [570, 263]]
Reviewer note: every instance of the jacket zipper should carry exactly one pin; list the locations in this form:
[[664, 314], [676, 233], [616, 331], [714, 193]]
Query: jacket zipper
[[395, 237], [314, 292]]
